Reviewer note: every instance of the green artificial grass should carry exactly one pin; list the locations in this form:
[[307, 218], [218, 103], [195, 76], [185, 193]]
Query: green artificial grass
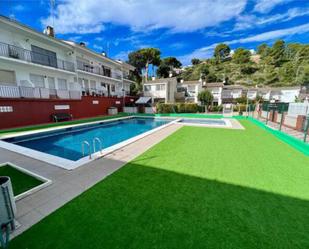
[[199, 188], [21, 182], [44, 126]]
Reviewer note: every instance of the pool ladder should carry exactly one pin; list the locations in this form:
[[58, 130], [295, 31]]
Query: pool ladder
[[85, 142]]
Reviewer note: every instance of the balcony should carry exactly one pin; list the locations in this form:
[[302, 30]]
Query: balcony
[[86, 67], [18, 53], [37, 93]]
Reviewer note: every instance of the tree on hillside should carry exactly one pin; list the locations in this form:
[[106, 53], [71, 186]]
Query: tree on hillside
[[263, 50], [222, 51], [206, 98], [168, 65], [203, 70], [277, 53], [144, 57], [195, 61], [211, 77], [241, 56], [163, 71], [172, 62]]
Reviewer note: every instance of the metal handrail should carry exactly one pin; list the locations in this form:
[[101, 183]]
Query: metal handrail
[[83, 148], [100, 143], [19, 53]]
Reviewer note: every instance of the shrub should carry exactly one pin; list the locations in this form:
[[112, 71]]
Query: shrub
[[179, 108], [217, 108], [187, 108], [201, 108], [239, 108], [166, 108]]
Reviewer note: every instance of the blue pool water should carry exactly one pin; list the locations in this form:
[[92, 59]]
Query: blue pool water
[[203, 121], [66, 143]]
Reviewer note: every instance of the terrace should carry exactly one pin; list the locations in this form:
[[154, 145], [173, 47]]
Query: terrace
[[18, 53], [144, 198]]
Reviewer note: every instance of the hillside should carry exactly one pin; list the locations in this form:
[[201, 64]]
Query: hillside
[[278, 65]]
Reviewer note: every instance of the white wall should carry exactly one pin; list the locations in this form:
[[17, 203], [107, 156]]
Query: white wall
[[288, 96], [23, 71], [23, 40]]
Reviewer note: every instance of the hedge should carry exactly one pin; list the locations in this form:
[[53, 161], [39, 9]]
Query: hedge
[[177, 108]]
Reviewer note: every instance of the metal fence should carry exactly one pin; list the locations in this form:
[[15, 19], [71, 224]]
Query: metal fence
[[18, 53]]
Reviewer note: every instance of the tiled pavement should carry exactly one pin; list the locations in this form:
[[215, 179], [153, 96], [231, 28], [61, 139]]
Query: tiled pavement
[[68, 184], [294, 133]]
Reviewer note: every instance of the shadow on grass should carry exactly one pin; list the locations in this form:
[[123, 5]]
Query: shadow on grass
[[143, 207]]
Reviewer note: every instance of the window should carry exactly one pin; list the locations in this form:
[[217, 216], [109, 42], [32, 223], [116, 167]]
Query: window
[[86, 83], [51, 83], [92, 84], [113, 88], [147, 88], [62, 84], [37, 80], [80, 82], [160, 87], [43, 56], [107, 71], [7, 77]]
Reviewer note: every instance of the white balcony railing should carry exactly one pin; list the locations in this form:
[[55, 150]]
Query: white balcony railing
[[63, 94], [9, 92], [75, 95], [36, 93]]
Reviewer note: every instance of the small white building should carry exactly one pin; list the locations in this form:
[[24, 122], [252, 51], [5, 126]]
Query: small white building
[[216, 89], [189, 90], [161, 90]]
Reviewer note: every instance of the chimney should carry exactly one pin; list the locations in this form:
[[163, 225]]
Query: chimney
[[82, 44], [50, 31]]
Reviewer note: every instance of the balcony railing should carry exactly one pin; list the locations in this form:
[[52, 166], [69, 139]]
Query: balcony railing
[[97, 70], [18, 53], [36, 92]]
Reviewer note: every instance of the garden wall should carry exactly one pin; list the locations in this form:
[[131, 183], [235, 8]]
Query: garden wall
[[21, 112]]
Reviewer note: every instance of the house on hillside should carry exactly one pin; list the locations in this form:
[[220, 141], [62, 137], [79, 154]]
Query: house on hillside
[[189, 90], [161, 90], [216, 89], [231, 92]]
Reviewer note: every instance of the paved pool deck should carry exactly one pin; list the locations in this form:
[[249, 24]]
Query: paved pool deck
[[66, 184]]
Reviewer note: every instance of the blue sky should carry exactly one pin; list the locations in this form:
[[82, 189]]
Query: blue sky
[[181, 28]]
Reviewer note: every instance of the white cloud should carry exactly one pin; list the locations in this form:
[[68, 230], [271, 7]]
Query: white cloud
[[206, 52], [19, 7], [75, 38], [79, 16], [123, 56], [265, 6], [251, 21], [98, 47], [275, 34]]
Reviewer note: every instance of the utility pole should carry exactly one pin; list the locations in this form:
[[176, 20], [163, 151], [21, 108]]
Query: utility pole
[[52, 6]]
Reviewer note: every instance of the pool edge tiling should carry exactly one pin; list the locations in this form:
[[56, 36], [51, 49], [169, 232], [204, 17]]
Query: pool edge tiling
[[70, 164]]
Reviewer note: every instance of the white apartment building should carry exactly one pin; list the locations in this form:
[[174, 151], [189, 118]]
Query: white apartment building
[[161, 90], [37, 65], [191, 90], [216, 89], [231, 92]]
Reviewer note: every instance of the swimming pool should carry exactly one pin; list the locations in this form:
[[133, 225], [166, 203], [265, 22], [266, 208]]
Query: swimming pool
[[67, 143], [203, 121]]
